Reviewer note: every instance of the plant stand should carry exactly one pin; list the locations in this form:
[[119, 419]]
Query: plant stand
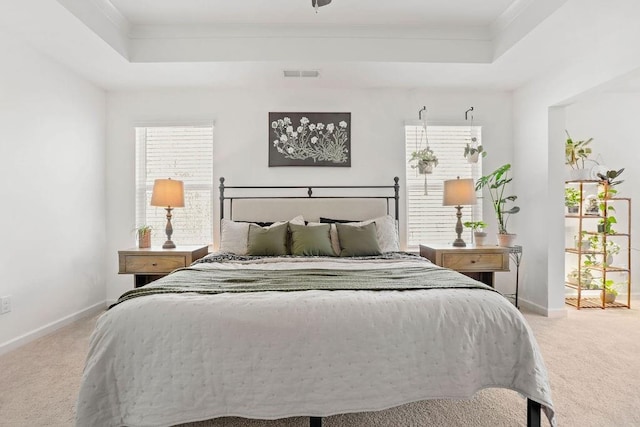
[[595, 298]]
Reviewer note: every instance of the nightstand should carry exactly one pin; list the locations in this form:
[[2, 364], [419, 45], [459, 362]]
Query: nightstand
[[150, 264], [477, 262]]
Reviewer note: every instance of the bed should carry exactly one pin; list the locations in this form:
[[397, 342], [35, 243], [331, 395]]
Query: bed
[[311, 334]]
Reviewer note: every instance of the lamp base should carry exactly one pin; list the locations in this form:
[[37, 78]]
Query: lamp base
[[168, 245], [459, 243]]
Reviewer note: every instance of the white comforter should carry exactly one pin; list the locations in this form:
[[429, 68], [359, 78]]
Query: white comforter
[[167, 359]]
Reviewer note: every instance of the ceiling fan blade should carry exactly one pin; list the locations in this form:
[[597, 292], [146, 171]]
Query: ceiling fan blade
[[320, 3]]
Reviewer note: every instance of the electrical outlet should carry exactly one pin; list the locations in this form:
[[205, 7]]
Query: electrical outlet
[[5, 304]]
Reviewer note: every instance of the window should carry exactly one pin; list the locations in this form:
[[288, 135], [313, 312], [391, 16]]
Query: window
[[178, 152], [427, 220]]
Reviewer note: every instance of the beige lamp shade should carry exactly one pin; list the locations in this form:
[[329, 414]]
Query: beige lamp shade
[[458, 192], [168, 193]]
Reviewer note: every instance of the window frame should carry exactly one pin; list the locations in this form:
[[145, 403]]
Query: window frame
[[475, 213], [140, 167]]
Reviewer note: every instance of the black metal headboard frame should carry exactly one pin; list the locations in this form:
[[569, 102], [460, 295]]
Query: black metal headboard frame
[[395, 197]]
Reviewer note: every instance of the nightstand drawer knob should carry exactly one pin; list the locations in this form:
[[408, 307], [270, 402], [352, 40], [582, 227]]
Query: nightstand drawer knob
[[155, 264]]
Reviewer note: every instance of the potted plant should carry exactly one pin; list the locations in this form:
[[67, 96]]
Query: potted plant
[[425, 160], [584, 244], [605, 224], [608, 249], [572, 200], [479, 234], [610, 289], [576, 153], [496, 183], [144, 236], [473, 153], [607, 182], [586, 278]]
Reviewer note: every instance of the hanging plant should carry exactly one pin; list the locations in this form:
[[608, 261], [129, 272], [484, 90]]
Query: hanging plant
[[425, 160], [473, 153]]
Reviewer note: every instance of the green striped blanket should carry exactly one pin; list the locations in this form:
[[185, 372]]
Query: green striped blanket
[[202, 280]]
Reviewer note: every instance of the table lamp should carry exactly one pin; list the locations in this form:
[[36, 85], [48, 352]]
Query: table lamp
[[458, 192], [169, 194]]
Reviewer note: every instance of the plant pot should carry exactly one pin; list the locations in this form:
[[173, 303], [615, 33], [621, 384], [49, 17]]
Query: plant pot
[[573, 210], [609, 298], [586, 279], [425, 167], [609, 259], [473, 158], [479, 237], [579, 174], [144, 240], [583, 245], [506, 239]]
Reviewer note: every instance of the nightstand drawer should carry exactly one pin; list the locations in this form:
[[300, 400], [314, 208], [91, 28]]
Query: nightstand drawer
[[473, 261], [153, 264]]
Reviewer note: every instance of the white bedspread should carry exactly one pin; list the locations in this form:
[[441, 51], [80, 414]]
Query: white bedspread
[[166, 359]]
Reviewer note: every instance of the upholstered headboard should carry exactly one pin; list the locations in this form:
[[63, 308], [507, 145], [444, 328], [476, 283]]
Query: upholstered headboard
[[273, 203]]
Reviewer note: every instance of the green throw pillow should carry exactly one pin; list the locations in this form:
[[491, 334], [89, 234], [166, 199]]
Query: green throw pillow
[[267, 241], [311, 240], [358, 240]]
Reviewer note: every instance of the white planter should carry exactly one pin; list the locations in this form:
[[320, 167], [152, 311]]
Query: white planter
[[479, 237], [578, 174], [425, 167], [506, 240], [473, 158]]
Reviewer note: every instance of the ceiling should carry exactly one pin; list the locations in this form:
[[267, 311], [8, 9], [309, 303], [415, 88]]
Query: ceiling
[[139, 44]]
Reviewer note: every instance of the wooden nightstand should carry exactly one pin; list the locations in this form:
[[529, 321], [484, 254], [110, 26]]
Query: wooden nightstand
[[149, 264], [477, 262]]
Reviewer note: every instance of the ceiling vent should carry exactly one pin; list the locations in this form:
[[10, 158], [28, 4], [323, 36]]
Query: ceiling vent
[[302, 73]]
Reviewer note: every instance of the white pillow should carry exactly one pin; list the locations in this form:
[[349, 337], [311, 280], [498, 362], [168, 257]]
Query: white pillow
[[387, 232], [234, 236]]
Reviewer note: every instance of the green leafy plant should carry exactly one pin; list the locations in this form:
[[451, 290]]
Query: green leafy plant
[[426, 155], [609, 248], [576, 152], [605, 225], [496, 183], [470, 151], [475, 225], [610, 176], [142, 230], [586, 278], [571, 197], [608, 182], [609, 286]]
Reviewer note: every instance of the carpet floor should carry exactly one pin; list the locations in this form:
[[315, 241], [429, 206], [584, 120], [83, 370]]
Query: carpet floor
[[593, 358]]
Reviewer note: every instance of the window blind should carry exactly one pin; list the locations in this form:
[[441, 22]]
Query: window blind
[[184, 153], [427, 220]]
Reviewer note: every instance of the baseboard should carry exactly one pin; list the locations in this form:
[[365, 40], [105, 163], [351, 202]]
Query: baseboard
[[538, 309], [51, 327]]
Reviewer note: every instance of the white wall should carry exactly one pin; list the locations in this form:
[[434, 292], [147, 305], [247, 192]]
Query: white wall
[[612, 120], [601, 44], [52, 170], [241, 138]]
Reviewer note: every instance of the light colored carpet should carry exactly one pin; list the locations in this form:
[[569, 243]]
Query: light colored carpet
[[593, 358]]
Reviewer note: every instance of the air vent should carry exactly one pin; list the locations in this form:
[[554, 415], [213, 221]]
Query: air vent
[[302, 73]]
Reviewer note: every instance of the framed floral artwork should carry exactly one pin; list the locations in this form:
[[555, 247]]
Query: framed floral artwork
[[310, 139]]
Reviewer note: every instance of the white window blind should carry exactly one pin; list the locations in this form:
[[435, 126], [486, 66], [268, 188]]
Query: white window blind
[[427, 220], [178, 152]]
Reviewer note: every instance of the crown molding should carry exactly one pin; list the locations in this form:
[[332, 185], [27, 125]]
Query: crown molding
[[114, 15], [302, 31]]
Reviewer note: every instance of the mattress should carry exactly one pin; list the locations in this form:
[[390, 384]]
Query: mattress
[[175, 357]]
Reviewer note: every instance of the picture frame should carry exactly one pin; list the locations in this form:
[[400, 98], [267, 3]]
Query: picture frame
[[309, 139]]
